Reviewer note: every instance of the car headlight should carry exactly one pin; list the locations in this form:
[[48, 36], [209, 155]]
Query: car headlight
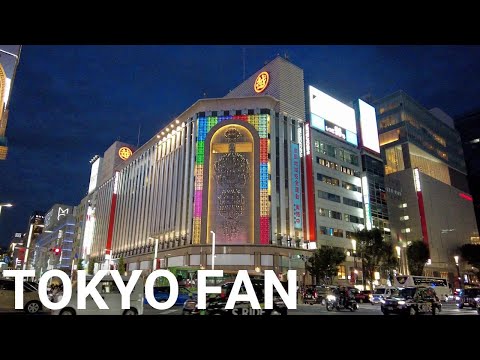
[[401, 302], [382, 301], [331, 297], [477, 299]]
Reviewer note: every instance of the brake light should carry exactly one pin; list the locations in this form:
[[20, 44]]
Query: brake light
[[223, 295]]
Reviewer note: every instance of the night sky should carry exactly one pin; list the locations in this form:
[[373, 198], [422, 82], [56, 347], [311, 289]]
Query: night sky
[[70, 103]]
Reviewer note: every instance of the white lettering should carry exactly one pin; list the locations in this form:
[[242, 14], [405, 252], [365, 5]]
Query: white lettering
[[272, 281], [19, 275], [307, 139], [66, 294], [242, 277], [62, 212], [84, 290], [202, 286], [126, 291], [172, 298]]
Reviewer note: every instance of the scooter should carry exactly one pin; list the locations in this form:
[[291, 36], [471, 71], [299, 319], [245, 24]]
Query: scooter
[[333, 303]]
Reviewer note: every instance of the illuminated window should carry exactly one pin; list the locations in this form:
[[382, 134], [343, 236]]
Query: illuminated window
[[394, 157], [389, 137], [401, 206], [352, 187], [404, 218], [327, 179], [341, 272], [353, 219], [405, 231]]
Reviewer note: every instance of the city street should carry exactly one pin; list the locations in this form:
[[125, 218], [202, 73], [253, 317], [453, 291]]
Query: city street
[[317, 309]]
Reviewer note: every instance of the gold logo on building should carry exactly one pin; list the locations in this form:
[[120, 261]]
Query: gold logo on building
[[124, 153], [261, 82]]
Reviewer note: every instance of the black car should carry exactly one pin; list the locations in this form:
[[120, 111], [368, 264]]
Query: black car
[[412, 301], [215, 303], [467, 298]]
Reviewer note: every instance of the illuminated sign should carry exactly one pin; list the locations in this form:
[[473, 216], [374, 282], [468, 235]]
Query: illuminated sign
[[297, 187], [124, 153], [327, 113], [261, 82], [300, 141], [366, 201], [94, 175], [335, 130], [416, 179], [115, 183], [466, 197], [368, 126], [62, 212], [88, 234], [307, 139]]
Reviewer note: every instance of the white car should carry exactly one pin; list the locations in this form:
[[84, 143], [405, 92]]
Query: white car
[[31, 300], [112, 297]]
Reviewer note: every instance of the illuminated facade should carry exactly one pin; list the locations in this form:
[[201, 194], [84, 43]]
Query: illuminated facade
[[9, 56], [228, 167], [427, 192]]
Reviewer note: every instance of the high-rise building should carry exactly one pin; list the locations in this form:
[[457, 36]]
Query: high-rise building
[[427, 191], [9, 56], [468, 125], [35, 228]]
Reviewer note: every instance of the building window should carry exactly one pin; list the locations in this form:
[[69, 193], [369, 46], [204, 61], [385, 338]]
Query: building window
[[341, 272], [352, 187], [226, 113], [265, 111], [330, 213], [401, 206], [331, 231], [404, 218], [353, 219], [214, 113], [405, 231], [238, 112], [351, 202], [328, 180], [328, 196], [350, 235], [251, 112]]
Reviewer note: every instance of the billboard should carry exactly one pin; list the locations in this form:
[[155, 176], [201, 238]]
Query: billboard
[[9, 55], [329, 115], [94, 175], [297, 187], [56, 215], [368, 126]]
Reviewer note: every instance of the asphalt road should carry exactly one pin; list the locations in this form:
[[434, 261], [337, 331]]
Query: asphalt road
[[316, 309]]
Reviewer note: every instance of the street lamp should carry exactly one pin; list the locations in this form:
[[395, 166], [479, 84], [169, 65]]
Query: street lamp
[[4, 205], [213, 250], [456, 257]]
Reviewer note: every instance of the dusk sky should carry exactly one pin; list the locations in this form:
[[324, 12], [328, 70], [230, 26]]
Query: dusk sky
[[69, 103]]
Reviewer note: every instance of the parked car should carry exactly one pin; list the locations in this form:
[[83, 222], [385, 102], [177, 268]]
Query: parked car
[[162, 293], [412, 301], [112, 297], [31, 300], [322, 293], [363, 296], [466, 298], [216, 303]]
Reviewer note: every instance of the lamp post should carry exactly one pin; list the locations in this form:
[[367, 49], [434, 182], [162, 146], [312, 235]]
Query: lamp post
[[213, 250], [456, 257], [4, 205]]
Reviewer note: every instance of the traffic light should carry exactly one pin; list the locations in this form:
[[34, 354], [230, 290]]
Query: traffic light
[[56, 251]]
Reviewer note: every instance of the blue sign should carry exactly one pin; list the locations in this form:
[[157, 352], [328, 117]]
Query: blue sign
[[297, 187]]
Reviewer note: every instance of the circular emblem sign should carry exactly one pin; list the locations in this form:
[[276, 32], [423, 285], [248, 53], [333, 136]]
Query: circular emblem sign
[[124, 153], [261, 82]]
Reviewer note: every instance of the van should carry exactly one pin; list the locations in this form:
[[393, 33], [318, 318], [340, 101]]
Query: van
[[110, 293], [380, 293]]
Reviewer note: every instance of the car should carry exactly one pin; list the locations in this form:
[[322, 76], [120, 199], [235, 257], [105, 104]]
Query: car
[[216, 303], [466, 298], [31, 299], [322, 293], [412, 301], [363, 296], [110, 293], [162, 293], [380, 293]]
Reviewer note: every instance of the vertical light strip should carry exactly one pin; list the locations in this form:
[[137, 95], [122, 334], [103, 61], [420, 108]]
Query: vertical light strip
[[421, 207], [366, 202]]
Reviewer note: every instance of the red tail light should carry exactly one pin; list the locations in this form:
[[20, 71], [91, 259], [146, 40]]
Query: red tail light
[[223, 295]]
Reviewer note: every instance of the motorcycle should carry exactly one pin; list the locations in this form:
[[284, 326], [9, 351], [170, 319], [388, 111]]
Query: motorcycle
[[334, 303]]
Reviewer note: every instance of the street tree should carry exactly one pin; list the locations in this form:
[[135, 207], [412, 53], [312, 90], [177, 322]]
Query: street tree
[[80, 264], [323, 264], [91, 266], [121, 265], [417, 256], [375, 253]]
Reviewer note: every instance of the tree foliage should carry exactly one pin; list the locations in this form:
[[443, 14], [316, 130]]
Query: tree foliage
[[375, 253], [417, 255], [471, 254], [323, 264], [121, 265], [91, 266], [80, 264]]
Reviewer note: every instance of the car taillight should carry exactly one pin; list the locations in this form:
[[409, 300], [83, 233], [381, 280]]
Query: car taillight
[[223, 295]]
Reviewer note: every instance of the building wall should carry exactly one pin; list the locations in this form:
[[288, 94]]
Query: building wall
[[337, 193]]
